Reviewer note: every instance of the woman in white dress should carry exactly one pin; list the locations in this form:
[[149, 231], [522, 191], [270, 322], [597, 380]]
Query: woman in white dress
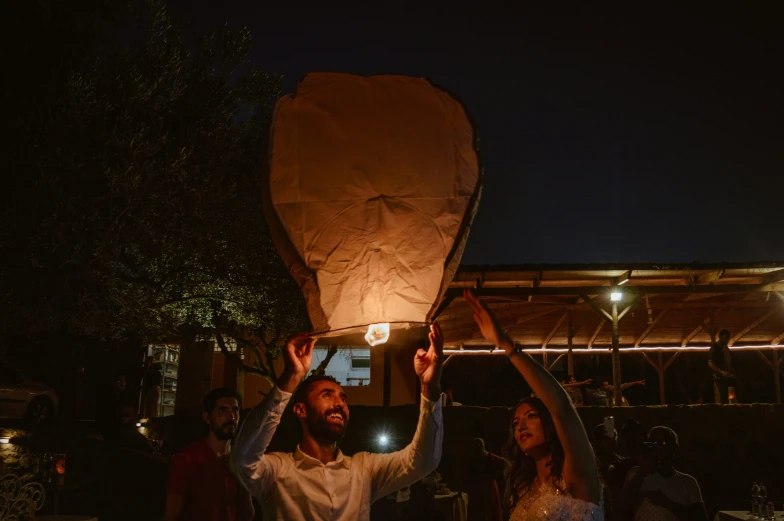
[[552, 474]]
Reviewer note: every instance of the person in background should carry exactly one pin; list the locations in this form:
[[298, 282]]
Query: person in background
[[655, 490], [609, 389], [201, 486], [631, 440], [572, 387], [720, 362], [124, 434], [485, 472], [612, 467], [552, 474], [317, 481]]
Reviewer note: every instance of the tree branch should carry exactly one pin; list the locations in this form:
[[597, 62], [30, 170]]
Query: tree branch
[[233, 356], [322, 367]]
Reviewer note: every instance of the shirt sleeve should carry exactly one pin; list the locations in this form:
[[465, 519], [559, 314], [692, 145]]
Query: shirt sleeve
[[255, 470], [630, 475], [695, 494], [391, 472], [179, 474]]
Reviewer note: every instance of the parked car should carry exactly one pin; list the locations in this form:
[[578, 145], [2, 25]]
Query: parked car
[[25, 399]]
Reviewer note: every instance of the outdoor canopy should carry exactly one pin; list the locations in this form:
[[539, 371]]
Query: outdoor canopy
[[370, 188]]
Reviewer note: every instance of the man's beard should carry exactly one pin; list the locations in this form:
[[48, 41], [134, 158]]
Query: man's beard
[[224, 432], [321, 429]]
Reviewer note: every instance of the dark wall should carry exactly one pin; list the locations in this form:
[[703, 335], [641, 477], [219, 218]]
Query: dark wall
[[725, 447]]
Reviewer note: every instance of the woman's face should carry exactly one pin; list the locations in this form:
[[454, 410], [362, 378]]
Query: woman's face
[[528, 429]]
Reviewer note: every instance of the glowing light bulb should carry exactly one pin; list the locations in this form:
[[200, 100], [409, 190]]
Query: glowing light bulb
[[383, 440], [377, 334], [616, 296]]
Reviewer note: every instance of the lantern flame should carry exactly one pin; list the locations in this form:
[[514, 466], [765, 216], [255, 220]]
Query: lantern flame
[[377, 334]]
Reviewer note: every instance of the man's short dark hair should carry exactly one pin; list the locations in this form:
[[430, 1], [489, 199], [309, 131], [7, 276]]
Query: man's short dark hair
[[671, 435], [301, 394], [211, 399], [724, 332]]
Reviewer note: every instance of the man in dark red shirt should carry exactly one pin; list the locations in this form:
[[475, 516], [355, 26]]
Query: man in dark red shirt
[[201, 486]]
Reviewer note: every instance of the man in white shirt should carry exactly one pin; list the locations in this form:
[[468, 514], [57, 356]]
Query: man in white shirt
[[655, 491], [318, 481]]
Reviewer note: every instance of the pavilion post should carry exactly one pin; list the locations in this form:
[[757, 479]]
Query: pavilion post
[[777, 374], [616, 358], [660, 370], [570, 333]]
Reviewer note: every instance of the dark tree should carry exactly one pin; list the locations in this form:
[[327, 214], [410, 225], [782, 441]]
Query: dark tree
[[136, 207]]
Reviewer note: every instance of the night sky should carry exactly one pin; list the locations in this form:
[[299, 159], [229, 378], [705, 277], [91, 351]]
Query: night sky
[[605, 136]]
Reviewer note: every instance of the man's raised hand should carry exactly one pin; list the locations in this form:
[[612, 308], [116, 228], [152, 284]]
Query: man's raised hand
[[428, 364], [297, 357]]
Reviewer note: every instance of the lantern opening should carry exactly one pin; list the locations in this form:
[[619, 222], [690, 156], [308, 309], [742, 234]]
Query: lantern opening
[[377, 334]]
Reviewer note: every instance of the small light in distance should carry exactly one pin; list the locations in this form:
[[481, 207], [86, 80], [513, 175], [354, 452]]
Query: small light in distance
[[383, 440], [616, 296], [5, 441], [138, 424]]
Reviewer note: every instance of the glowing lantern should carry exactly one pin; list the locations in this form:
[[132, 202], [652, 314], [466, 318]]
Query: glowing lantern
[[372, 185]]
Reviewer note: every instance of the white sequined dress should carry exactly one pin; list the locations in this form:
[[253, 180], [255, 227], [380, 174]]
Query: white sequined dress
[[551, 503]]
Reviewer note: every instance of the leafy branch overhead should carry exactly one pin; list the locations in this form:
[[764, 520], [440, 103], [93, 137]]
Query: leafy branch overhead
[[137, 206]]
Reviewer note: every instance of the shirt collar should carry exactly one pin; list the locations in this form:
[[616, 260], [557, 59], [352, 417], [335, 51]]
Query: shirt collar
[[302, 459]]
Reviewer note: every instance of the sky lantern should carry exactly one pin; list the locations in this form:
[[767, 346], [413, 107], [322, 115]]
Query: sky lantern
[[371, 186]]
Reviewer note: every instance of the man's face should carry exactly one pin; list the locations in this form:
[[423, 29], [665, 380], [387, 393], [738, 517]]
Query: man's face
[[223, 418], [663, 449], [326, 411], [127, 416], [606, 386], [572, 380], [724, 338]]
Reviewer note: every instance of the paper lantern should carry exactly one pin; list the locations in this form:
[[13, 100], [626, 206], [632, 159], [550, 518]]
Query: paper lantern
[[371, 186]]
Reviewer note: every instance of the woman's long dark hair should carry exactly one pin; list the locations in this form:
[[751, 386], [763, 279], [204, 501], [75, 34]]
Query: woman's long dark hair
[[521, 473]]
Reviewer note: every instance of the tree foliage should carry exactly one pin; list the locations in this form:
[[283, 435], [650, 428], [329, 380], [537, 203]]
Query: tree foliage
[[136, 207]]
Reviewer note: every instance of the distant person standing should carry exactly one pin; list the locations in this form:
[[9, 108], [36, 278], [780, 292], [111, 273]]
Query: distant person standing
[[202, 486], [609, 390], [572, 387], [720, 362], [485, 472], [655, 490]]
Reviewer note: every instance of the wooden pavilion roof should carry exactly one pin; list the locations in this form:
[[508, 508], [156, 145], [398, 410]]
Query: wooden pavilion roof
[[671, 305]]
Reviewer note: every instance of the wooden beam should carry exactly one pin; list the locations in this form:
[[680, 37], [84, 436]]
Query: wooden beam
[[775, 285], [596, 333], [691, 335], [776, 341], [671, 360], [765, 358], [554, 362], [444, 304], [650, 327], [750, 327], [660, 370], [554, 330], [712, 276], [616, 358], [596, 307], [707, 323], [632, 303], [648, 359], [525, 318], [569, 338]]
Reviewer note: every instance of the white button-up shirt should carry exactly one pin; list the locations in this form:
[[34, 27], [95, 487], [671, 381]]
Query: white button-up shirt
[[295, 487]]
